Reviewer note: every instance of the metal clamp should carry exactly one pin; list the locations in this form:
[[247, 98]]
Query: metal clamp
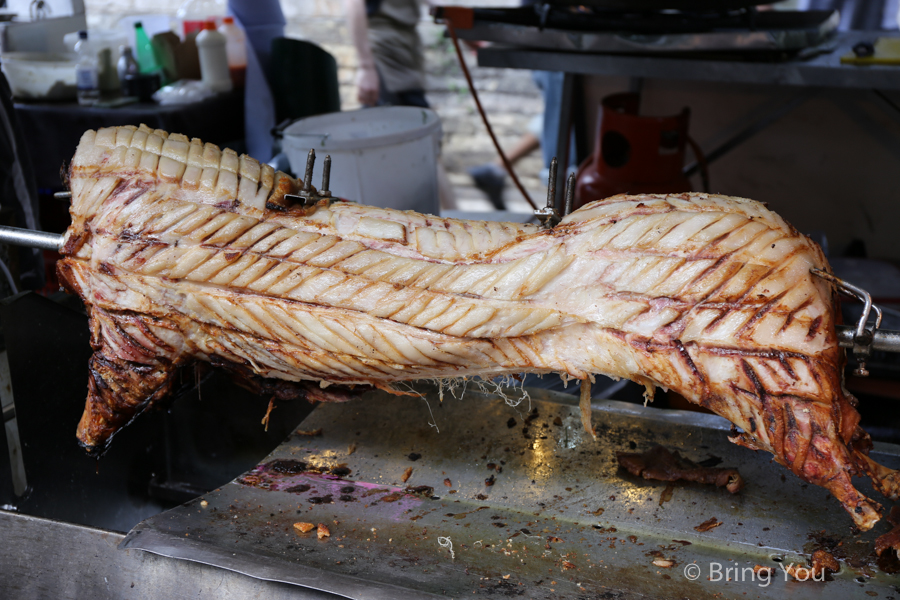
[[548, 216], [861, 338], [310, 196]]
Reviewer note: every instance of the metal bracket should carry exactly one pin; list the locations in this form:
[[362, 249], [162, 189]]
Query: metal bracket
[[309, 196], [862, 338], [548, 216]]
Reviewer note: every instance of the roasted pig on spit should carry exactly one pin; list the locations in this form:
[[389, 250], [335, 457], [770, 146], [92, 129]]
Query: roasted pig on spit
[[183, 252]]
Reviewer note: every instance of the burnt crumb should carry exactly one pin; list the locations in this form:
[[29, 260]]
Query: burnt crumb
[[525, 433], [321, 499], [348, 489], [480, 497], [531, 416], [340, 471], [346, 498], [288, 467], [298, 489], [499, 524], [632, 445], [557, 421], [708, 524], [511, 423], [489, 481], [491, 466], [423, 490], [414, 456]]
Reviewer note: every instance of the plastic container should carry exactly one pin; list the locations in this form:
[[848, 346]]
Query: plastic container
[[127, 67], [384, 156], [194, 13], [87, 80], [213, 58], [236, 49], [104, 43], [40, 75]]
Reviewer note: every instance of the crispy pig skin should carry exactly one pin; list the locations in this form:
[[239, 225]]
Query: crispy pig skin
[[184, 252]]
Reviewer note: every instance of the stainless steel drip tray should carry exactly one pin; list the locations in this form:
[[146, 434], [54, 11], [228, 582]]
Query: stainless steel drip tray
[[474, 497]]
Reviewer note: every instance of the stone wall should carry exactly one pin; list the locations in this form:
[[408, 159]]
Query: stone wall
[[509, 97]]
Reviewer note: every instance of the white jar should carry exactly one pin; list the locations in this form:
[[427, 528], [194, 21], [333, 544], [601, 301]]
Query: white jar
[[236, 49], [213, 58]]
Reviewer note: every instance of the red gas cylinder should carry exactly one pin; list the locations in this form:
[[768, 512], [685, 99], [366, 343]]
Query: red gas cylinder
[[634, 154]]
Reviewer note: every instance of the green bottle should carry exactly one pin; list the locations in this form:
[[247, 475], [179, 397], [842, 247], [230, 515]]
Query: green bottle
[[146, 57]]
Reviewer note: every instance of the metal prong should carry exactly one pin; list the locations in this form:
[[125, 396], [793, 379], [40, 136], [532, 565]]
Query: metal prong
[[551, 184], [310, 164], [570, 194], [326, 176], [548, 215], [862, 338], [65, 195]]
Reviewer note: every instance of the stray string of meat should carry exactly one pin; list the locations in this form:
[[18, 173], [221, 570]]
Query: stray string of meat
[[183, 252]]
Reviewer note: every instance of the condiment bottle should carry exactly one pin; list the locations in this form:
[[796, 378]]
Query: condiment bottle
[[87, 80], [236, 49], [146, 57], [213, 58], [194, 13], [127, 67]]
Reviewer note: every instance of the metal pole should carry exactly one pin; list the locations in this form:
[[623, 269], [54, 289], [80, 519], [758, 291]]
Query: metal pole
[[883, 339], [30, 238]]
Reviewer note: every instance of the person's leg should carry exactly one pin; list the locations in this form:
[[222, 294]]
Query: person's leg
[[527, 144], [490, 178]]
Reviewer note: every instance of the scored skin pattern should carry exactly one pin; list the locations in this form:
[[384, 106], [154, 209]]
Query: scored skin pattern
[[183, 252]]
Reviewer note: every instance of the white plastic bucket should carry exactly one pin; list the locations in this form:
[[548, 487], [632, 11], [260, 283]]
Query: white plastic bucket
[[384, 156]]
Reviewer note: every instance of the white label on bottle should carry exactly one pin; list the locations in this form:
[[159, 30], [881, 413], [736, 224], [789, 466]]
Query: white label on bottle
[[86, 79]]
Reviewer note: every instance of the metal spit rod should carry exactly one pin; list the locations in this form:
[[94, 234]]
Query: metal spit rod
[[883, 339], [29, 238]]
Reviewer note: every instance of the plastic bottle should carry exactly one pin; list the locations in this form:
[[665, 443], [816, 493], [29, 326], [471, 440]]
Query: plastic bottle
[[213, 58], [194, 13], [236, 49], [127, 67], [146, 58], [86, 77]]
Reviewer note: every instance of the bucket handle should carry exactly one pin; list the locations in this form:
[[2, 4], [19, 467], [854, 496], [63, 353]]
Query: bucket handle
[[278, 132]]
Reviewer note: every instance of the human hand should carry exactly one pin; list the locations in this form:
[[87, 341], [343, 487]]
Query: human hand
[[367, 86]]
